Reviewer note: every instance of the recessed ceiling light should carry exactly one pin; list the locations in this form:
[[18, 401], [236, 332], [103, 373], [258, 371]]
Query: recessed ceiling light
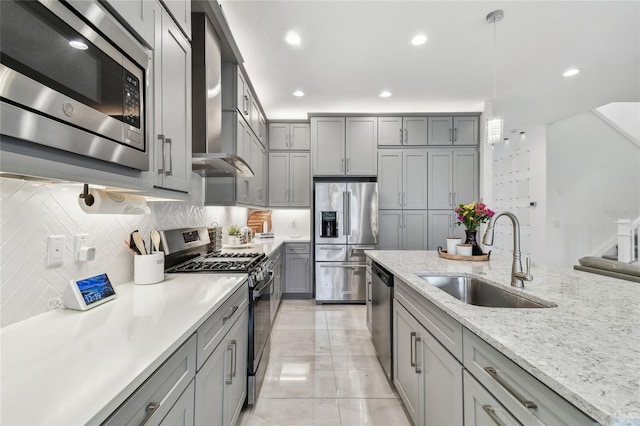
[[570, 72], [298, 93], [77, 44], [292, 38], [419, 39], [385, 94]]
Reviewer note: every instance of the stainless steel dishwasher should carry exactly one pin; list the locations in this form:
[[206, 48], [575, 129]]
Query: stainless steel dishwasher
[[382, 318]]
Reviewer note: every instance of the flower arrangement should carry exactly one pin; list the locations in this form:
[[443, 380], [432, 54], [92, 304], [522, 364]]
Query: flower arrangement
[[473, 214]]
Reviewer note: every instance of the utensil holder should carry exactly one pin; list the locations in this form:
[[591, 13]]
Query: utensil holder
[[148, 269]]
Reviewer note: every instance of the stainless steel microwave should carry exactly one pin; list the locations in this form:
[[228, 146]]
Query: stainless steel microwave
[[73, 83]]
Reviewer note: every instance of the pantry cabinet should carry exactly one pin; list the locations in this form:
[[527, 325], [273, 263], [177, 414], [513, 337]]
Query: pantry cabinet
[[452, 178], [344, 147], [402, 131], [457, 130], [172, 106], [289, 179], [402, 229], [289, 136], [402, 179]]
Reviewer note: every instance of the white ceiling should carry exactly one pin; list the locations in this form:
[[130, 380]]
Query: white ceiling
[[352, 50]]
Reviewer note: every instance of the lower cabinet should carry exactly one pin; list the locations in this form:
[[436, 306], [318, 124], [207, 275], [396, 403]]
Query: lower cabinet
[[181, 414], [278, 281], [447, 375], [427, 376], [221, 382], [298, 269]]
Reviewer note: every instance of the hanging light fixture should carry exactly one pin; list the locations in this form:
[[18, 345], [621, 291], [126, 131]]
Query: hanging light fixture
[[494, 124]]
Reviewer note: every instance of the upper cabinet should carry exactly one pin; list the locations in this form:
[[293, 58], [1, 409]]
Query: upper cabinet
[[402, 179], [180, 10], [289, 179], [344, 147], [237, 94], [452, 179], [410, 131], [171, 106], [289, 136], [459, 130], [138, 16]]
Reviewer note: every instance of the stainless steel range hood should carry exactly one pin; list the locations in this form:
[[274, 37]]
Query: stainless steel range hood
[[210, 158]]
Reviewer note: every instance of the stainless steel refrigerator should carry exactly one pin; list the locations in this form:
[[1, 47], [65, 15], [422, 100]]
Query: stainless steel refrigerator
[[346, 224]]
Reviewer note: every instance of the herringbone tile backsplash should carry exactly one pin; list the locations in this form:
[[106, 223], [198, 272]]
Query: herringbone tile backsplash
[[30, 212]]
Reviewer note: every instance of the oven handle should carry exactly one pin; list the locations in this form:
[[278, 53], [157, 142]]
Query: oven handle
[[260, 291]]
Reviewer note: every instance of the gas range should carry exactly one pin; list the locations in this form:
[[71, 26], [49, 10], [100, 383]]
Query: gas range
[[186, 251]]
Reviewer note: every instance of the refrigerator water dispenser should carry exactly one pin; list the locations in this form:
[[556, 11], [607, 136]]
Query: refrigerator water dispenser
[[329, 225]]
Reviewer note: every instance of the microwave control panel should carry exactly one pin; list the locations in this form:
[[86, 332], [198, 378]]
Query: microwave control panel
[[131, 105]]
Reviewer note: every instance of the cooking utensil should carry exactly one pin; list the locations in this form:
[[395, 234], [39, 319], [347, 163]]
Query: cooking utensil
[[155, 241], [139, 242]]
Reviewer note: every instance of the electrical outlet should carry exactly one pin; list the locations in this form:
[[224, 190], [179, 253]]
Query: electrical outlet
[[55, 250], [81, 240]]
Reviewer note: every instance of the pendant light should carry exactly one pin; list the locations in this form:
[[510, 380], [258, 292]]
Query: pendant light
[[494, 124]]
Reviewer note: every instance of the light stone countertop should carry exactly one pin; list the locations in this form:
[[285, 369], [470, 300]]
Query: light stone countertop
[[267, 245], [68, 367], [587, 349]]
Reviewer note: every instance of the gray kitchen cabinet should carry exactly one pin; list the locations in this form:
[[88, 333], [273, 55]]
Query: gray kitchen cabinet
[[137, 16], [361, 158], [402, 229], [452, 178], [243, 149], [221, 382], [251, 190], [298, 269], [402, 131], [327, 146], [428, 378], [155, 399], [182, 412], [481, 408], [172, 109], [238, 96], [369, 300], [180, 10], [278, 281], [289, 179], [289, 136], [339, 152], [459, 130], [402, 179], [442, 225]]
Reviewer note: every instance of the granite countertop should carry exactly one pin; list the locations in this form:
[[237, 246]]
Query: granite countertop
[[69, 367], [587, 348]]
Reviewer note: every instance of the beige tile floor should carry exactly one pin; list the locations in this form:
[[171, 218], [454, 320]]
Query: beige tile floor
[[323, 371]]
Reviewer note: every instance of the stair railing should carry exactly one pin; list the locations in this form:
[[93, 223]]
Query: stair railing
[[628, 240]]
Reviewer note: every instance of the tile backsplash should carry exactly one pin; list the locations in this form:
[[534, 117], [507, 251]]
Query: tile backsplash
[[30, 212]]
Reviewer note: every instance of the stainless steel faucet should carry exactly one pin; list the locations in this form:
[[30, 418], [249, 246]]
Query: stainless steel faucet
[[517, 275]]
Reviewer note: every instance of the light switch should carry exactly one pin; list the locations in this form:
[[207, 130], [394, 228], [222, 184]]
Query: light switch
[[55, 250]]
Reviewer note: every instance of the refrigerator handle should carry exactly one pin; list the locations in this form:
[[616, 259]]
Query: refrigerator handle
[[346, 212]]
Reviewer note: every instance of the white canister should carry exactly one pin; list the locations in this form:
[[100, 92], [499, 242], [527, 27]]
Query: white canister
[[464, 249], [452, 243], [148, 268]]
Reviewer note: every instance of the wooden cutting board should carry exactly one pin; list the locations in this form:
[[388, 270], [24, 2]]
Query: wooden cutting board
[[256, 219]]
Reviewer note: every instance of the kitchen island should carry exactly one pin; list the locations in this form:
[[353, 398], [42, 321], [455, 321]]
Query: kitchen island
[[586, 349]]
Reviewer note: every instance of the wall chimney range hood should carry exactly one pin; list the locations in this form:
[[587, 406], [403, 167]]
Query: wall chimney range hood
[[209, 158]]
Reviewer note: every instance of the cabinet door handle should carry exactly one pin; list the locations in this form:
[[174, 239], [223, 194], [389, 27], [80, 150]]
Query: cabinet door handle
[[451, 198], [161, 139], [347, 165], [491, 412], [455, 134], [229, 379], [400, 135], [149, 410], [406, 136], [234, 360], [418, 368], [170, 143], [494, 374], [245, 105], [449, 134], [405, 198], [412, 348], [232, 310], [454, 199]]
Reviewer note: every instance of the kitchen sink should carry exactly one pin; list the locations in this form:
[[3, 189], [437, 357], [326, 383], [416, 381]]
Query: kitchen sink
[[474, 291]]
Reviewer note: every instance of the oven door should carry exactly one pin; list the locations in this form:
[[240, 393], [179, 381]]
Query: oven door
[[60, 76], [261, 303]]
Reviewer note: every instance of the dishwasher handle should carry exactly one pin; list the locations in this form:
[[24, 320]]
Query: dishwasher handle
[[385, 276]]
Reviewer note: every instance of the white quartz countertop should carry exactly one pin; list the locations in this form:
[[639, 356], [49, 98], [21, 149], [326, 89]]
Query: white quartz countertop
[[587, 349], [266, 245], [69, 367]]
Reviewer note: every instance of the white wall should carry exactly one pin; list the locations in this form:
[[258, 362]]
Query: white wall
[[593, 179], [517, 175], [30, 212]]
